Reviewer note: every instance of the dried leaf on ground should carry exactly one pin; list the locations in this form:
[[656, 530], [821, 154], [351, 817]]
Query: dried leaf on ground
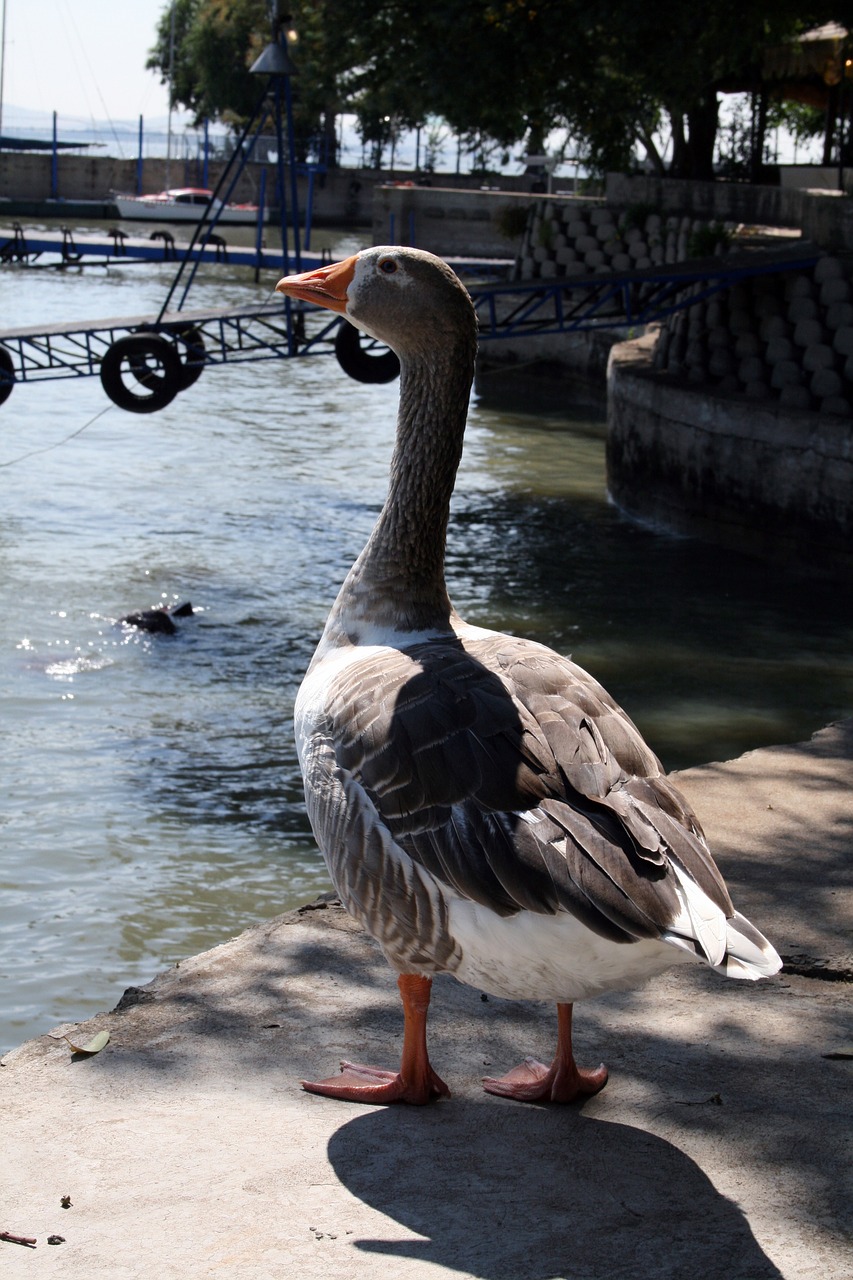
[[95, 1045]]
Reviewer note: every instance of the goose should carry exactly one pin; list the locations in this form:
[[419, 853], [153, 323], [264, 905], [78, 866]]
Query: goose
[[484, 807]]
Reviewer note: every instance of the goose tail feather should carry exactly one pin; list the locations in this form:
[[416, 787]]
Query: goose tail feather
[[748, 953]]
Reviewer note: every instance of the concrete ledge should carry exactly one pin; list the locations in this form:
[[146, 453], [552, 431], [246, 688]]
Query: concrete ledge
[[188, 1149], [738, 472], [824, 217], [449, 221]]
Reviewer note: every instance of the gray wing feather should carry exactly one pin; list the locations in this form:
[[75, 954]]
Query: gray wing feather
[[508, 774]]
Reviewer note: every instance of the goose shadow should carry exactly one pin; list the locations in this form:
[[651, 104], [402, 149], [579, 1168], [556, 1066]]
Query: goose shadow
[[533, 1193]]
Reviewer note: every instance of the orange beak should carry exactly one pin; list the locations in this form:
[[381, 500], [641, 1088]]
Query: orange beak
[[327, 287]]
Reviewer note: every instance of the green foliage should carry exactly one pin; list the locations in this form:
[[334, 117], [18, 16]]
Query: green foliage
[[436, 136], [802, 121], [216, 42], [735, 143], [511, 220], [497, 71], [214, 46], [635, 215], [704, 241]]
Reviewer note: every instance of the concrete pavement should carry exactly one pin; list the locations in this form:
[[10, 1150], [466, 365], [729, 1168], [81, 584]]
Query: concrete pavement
[[721, 1146]]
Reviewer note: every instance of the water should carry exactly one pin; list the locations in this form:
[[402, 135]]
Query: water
[[151, 805]]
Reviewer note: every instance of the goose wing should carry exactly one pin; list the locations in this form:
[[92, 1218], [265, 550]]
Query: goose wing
[[508, 774]]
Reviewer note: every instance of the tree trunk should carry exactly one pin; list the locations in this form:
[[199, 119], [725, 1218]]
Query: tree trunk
[[702, 120], [653, 155], [679, 143], [829, 132], [759, 134], [329, 155]]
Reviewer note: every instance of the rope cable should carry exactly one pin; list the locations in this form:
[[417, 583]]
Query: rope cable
[[58, 443]]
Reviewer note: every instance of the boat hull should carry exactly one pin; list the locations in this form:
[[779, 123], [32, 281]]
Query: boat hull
[[138, 209]]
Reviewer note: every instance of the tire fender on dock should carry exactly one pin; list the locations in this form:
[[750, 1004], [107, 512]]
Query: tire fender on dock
[[7, 375], [194, 353], [149, 361], [360, 362]]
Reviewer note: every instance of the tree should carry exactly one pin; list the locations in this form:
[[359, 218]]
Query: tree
[[202, 52], [205, 52], [612, 72]]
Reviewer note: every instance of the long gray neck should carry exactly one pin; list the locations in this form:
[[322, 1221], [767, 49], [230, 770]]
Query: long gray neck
[[397, 583]]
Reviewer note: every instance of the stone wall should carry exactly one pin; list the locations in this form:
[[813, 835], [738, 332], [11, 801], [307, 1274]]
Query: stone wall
[[785, 339], [576, 238], [824, 217], [342, 197], [453, 221], [756, 477], [570, 236], [734, 420], [28, 176]]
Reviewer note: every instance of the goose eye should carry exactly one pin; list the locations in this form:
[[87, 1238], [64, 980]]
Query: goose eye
[[388, 265]]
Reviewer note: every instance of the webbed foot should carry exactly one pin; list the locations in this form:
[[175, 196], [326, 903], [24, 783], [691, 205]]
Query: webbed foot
[[532, 1081], [359, 1083]]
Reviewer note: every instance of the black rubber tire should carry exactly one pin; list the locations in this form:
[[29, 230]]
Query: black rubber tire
[[358, 362], [8, 368], [193, 355], [134, 355]]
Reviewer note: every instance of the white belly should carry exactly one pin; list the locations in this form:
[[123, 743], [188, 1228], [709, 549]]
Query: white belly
[[537, 957]]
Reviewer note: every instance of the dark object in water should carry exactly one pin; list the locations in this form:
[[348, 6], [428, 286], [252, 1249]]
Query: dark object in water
[[158, 621]]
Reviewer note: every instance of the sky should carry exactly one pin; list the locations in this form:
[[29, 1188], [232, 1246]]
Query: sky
[[84, 59]]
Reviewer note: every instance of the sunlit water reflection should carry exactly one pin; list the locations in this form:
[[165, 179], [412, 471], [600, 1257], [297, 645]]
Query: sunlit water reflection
[[151, 799]]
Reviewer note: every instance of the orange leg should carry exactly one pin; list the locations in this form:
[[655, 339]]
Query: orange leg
[[415, 1082], [563, 1081]]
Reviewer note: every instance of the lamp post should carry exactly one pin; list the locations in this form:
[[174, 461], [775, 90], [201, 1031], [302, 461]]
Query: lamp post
[[275, 61]]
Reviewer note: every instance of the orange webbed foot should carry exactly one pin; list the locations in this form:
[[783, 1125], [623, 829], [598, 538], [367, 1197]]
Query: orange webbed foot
[[563, 1081], [415, 1082], [359, 1083], [532, 1081]]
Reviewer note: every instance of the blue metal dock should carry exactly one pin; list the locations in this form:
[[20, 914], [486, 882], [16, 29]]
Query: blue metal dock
[[117, 247], [144, 361], [622, 299]]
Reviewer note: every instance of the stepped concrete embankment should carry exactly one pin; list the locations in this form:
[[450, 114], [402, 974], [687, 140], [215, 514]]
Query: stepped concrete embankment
[[821, 215], [754, 476], [733, 419]]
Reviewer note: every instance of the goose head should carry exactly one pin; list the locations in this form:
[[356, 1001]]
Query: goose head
[[404, 297]]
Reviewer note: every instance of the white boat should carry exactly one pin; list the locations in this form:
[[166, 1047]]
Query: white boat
[[183, 204]]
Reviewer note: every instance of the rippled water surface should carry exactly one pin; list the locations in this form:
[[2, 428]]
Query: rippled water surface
[[151, 804]]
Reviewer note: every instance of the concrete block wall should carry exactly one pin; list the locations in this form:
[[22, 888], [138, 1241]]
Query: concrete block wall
[[824, 217], [452, 221], [28, 176], [574, 239], [584, 237], [785, 339]]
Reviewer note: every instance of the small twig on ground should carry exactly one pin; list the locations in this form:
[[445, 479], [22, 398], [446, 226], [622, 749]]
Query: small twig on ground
[[29, 1241]]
